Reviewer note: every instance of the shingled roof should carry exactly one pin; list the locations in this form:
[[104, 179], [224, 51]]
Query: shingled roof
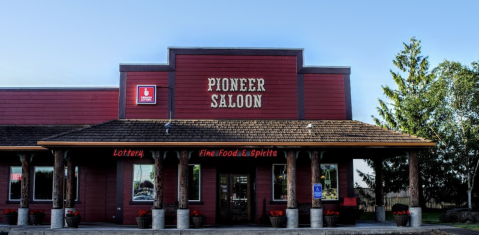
[[26, 136], [126, 132]]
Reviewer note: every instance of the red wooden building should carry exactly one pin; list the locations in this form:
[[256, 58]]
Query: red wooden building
[[234, 133]]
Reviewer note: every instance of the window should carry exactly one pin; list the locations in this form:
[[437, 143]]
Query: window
[[75, 184], [143, 182], [280, 185], [15, 182], [43, 183], [194, 182], [329, 181]]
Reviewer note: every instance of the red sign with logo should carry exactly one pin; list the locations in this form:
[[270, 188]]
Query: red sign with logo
[[146, 94], [16, 176]]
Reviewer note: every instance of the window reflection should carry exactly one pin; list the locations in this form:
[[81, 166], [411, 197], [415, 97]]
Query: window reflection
[[280, 184], [143, 182], [15, 182], [43, 183], [329, 179]]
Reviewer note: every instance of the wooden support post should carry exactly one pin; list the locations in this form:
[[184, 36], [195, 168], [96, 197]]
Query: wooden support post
[[25, 186], [58, 178], [291, 177], [183, 172], [70, 197], [158, 203], [315, 177], [379, 190], [414, 179]]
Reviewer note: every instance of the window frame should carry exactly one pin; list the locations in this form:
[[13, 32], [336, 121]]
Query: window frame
[[133, 183], [200, 188], [337, 181], [272, 181], [10, 184], [77, 169], [34, 185]]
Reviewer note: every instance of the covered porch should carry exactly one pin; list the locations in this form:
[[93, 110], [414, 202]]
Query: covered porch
[[316, 138]]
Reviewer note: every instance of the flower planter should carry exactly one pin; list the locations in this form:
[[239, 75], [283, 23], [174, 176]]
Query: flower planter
[[73, 221], [11, 219], [277, 221], [37, 219], [198, 221], [331, 221], [143, 222], [401, 220]]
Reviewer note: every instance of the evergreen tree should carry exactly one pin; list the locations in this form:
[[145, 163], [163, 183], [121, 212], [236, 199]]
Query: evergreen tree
[[409, 110]]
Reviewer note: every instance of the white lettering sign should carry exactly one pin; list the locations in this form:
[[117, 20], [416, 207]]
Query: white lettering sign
[[236, 85]]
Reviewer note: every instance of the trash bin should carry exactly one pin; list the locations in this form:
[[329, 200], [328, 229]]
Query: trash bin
[[348, 210]]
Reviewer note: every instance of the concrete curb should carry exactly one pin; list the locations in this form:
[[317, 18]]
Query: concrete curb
[[240, 231]]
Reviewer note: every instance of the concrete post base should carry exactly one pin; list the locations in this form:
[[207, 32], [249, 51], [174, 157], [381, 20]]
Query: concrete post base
[[158, 216], [380, 214], [57, 218], [316, 217], [23, 216], [183, 218], [66, 211], [292, 218], [416, 217]]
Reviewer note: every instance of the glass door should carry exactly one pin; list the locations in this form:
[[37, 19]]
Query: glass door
[[234, 198]]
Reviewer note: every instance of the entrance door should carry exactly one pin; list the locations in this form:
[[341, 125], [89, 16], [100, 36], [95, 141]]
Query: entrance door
[[234, 198]]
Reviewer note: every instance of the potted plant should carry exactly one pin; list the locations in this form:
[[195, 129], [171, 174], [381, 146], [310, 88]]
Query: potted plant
[[144, 219], [11, 216], [277, 218], [401, 218], [198, 219], [331, 217], [73, 219], [37, 216]]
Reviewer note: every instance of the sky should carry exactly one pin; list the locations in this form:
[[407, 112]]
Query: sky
[[81, 43]]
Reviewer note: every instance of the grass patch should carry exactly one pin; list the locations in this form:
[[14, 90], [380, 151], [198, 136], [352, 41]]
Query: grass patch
[[427, 217], [474, 227]]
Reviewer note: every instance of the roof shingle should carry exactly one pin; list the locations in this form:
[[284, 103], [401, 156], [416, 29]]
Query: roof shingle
[[336, 131]]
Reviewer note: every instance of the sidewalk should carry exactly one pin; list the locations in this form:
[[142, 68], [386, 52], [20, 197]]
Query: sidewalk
[[362, 227]]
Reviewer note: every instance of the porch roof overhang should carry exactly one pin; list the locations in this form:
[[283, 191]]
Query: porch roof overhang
[[25, 137], [235, 133]]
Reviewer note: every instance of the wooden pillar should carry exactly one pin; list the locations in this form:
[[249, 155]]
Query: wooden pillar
[[414, 179], [379, 190], [291, 177], [183, 172], [70, 197], [58, 177], [315, 177], [158, 203], [25, 186]]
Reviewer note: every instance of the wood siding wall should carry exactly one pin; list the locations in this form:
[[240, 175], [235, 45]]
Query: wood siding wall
[[192, 99], [97, 193], [144, 111], [56, 107], [324, 96]]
